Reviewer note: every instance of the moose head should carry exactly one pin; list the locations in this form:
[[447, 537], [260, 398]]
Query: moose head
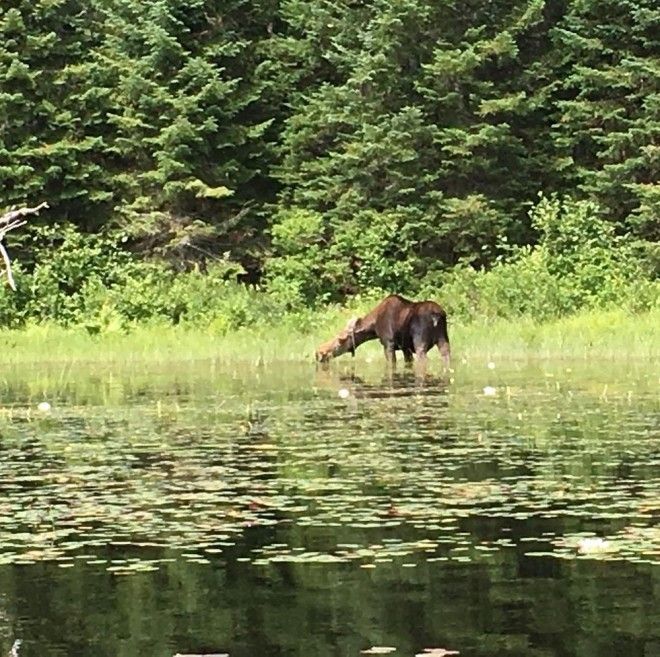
[[340, 344]]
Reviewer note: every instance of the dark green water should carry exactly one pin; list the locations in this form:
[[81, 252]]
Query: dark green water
[[257, 512]]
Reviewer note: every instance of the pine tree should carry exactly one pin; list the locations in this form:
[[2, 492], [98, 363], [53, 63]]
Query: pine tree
[[608, 128], [145, 111], [186, 133], [47, 151], [426, 121]]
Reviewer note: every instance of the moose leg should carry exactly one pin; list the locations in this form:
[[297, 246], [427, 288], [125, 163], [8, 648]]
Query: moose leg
[[421, 346], [389, 348], [443, 347], [420, 354], [408, 356]]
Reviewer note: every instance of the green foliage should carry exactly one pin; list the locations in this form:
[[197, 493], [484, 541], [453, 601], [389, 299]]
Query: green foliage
[[399, 127], [323, 150], [378, 246], [320, 261], [607, 128], [595, 266], [303, 271], [142, 113], [178, 76], [75, 279], [67, 265], [50, 107], [579, 264], [88, 280]]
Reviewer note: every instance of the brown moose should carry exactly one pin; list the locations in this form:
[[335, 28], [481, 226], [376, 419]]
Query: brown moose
[[413, 327]]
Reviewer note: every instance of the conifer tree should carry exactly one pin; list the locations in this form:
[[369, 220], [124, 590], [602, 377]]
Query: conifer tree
[[185, 130], [424, 121], [47, 105], [608, 126]]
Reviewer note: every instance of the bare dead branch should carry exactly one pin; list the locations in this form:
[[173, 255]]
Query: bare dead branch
[[9, 221], [10, 275], [5, 229], [12, 215]]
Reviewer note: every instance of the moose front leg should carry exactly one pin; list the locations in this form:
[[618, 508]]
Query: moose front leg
[[390, 351]]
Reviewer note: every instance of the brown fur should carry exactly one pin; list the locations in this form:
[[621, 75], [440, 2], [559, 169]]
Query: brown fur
[[413, 327]]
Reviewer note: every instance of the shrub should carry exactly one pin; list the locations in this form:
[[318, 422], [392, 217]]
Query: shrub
[[579, 263], [66, 265], [303, 270], [315, 262], [89, 280]]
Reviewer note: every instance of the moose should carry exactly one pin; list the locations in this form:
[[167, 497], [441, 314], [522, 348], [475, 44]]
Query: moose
[[413, 327]]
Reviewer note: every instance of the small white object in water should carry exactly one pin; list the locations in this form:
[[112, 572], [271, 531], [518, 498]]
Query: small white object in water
[[491, 365], [590, 545], [44, 406], [208, 654], [344, 393], [489, 391]]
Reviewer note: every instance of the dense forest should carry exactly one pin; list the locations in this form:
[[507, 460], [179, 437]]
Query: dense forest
[[323, 148]]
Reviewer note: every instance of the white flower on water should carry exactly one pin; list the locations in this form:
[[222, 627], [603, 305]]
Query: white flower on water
[[491, 365], [44, 406], [593, 544], [489, 391], [344, 393]]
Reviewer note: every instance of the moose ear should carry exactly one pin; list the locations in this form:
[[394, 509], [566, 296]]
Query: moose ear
[[352, 323]]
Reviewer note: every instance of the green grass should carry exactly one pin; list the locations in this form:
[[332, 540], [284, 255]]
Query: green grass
[[593, 335], [597, 335]]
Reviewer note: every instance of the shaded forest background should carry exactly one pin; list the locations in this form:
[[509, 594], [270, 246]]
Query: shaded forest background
[[320, 149]]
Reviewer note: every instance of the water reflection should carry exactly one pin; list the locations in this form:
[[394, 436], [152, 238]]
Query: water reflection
[[392, 383], [513, 607], [259, 512]]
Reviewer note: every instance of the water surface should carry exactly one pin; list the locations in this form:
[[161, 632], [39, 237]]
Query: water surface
[[258, 512]]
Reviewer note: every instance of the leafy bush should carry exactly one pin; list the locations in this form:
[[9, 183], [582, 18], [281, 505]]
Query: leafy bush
[[378, 250], [315, 262], [580, 263], [89, 280], [66, 265], [303, 269]]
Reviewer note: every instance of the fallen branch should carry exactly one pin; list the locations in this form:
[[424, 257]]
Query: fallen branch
[[9, 221]]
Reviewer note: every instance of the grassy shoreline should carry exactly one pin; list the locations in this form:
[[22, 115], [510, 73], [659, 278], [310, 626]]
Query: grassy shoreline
[[605, 335]]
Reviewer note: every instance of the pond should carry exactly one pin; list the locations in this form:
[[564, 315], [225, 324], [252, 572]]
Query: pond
[[511, 509]]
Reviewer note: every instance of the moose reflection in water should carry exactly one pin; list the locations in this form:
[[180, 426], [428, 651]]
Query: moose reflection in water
[[405, 383], [413, 327]]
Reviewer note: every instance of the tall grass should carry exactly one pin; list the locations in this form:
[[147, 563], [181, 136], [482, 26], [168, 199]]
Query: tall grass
[[592, 335]]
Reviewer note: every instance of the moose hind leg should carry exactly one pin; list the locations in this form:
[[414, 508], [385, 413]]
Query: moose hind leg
[[420, 353], [421, 347], [445, 351]]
